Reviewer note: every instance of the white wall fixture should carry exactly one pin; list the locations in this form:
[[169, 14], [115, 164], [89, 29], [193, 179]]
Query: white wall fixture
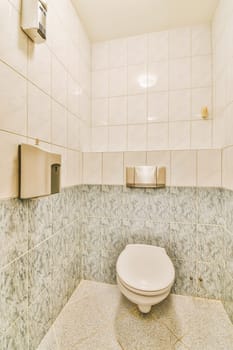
[[34, 14]]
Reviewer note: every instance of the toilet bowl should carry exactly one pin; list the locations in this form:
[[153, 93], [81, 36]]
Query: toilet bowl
[[145, 275]]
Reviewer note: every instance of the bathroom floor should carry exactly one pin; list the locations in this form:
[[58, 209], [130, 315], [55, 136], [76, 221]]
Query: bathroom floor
[[97, 317]]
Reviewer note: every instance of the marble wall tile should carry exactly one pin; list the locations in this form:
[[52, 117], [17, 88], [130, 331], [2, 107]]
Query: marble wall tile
[[112, 242], [158, 209], [113, 199], [91, 248], [39, 270], [210, 206], [212, 284], [135, 231], [108, 269], [185, 279], [228, 244], [59, 211], [135, 204], [59, 291], [39, 318], [13, 230], [39, 220], [159, 234], [183, 242], [228, 195], [210, 243], [16, 336], [13, 292], [228, 294], [183, 204], [93, 199]]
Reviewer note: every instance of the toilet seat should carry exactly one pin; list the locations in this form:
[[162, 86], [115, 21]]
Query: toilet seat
[[154, 276], [143, 292]]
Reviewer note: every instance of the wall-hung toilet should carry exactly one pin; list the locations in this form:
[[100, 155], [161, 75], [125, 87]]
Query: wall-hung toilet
[[145, 275]]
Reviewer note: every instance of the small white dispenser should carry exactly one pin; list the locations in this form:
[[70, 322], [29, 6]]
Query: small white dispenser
[[146, 177], [34, 13], [39, 172]]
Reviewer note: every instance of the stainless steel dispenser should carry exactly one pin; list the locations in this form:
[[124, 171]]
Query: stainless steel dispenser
[[146, 177], [34, 13], [39, 172]]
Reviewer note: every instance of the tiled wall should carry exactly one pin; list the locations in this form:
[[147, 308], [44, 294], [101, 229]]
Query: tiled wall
[[148, 91], [184, 168], [40, 265], [193, 224], [223, 86], [45, 91]]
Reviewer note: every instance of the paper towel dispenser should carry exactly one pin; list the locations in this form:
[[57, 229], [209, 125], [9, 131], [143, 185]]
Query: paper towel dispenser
[[39, 172], [146, 176]]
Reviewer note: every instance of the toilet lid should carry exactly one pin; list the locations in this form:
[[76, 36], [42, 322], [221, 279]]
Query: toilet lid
[[145, 267]]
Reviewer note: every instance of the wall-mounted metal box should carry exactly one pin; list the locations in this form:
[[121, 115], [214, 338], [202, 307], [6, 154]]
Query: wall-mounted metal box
[[39, 172], [34, 13], [146, 176]]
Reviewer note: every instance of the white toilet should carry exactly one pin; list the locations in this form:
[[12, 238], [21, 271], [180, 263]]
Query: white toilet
[[145, 275]]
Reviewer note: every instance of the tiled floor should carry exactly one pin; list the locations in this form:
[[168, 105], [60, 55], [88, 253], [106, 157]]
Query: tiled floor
[[97, 317]]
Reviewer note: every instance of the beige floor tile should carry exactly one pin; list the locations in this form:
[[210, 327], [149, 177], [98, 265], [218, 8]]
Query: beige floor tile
[[98, 317]]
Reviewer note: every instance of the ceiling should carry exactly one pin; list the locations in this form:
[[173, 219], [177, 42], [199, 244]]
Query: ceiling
[[110, 19]]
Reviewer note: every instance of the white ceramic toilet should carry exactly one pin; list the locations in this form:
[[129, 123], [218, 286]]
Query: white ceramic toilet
[[145, 275]]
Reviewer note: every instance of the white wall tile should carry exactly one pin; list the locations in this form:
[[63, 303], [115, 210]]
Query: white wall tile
[[158, 76], [201, 132], [59, 82], [73, 132], [59, 124], [118, 110], [179, 135], [157, 137], [137, 79], [100, 84], [201, 71], [201, 98], [9, 164], [117, 82], [180, 105], [209, 168], [39, 66], [73, 96], [227, 169], [117, 53], [180, 74], [113, 168], [100, 56], [137, 49], [99, 139], [158, 46], [13, 101], [39, 114], [183, 168], [158, 107], [100, 111], [180, 43], [134, 158], [92, 168], [74, 171], [137, 109], [201, 40], [137, 137], [13, 48], [117, 138]]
